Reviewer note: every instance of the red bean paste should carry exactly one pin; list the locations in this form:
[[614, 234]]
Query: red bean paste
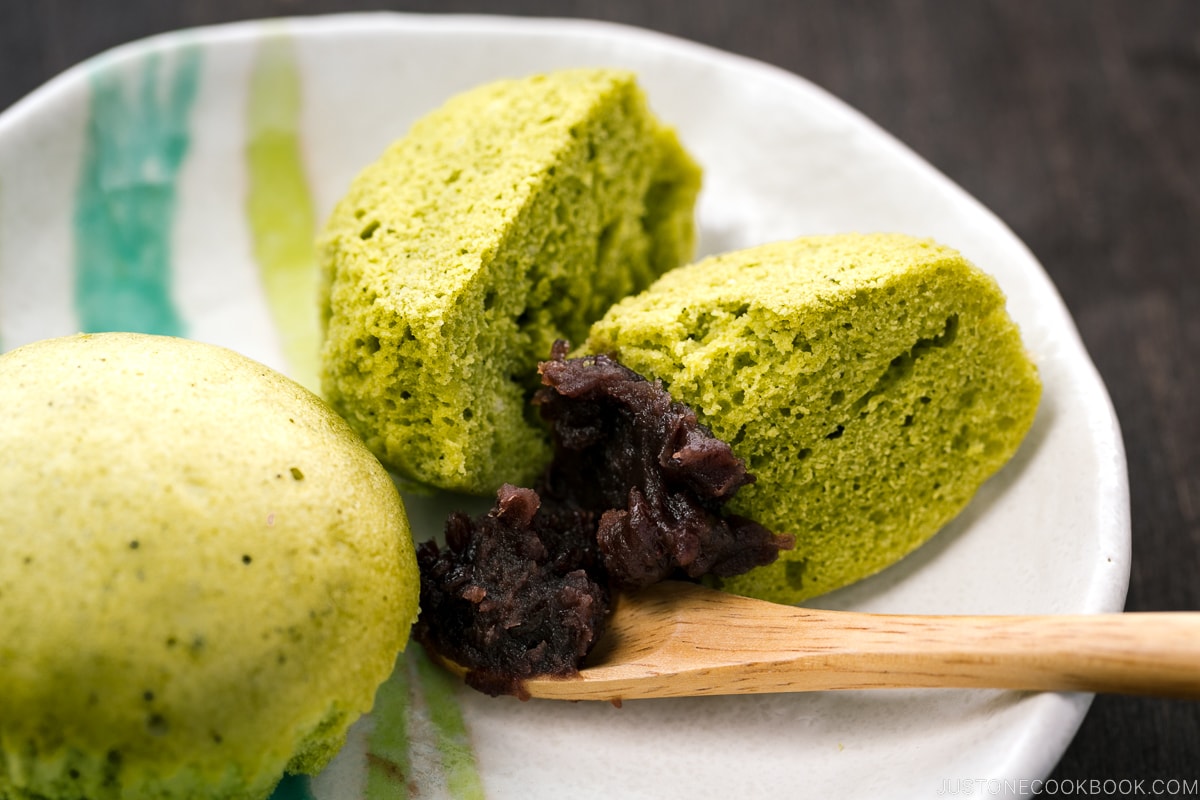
[[632, 496]]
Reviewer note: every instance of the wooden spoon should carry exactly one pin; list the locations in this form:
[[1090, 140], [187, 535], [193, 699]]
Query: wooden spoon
[[679, 640]]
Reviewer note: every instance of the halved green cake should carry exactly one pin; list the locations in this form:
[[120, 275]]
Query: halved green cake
[[514, 215], [871, 382]]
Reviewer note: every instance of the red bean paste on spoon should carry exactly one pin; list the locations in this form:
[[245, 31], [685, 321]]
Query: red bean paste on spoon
[[632, 496]]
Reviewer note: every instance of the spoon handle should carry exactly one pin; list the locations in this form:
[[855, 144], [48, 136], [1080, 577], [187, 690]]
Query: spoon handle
[[680, 641], [1144, 653]]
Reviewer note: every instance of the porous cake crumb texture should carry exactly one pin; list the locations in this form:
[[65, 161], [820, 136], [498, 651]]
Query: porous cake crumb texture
[[514, 215], [871, 382]]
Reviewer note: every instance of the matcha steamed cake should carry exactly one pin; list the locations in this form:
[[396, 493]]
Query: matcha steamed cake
[[204, 575], [871, 382], [514, 215]]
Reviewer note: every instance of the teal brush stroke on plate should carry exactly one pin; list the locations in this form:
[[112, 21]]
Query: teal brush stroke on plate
[[136, 140], [293, 787]]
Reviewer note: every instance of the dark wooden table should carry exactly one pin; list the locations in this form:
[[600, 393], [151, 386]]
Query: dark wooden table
[[1077, 121]]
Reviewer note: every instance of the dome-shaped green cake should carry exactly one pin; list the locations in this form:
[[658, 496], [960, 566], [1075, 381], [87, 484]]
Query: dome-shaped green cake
[[204, 575], [515, 214], [871, 382]]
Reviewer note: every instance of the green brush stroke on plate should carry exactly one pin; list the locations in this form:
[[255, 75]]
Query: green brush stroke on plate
[[281, 216], [416, 687], [279, 206], [453, 742], [135, 141], [388, 765]]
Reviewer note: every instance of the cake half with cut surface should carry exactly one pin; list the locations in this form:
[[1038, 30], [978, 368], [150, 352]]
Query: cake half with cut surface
[[514, 215], [871, 382]]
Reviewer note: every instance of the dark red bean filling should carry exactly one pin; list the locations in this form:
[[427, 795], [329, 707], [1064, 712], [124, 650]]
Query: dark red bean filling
[[633, 496]]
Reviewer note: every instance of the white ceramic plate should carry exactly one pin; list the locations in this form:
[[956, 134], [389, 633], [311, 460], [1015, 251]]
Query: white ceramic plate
[[174, 184]]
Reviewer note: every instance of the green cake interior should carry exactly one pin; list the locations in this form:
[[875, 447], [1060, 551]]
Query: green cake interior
[[514, 215], [871, 382]]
